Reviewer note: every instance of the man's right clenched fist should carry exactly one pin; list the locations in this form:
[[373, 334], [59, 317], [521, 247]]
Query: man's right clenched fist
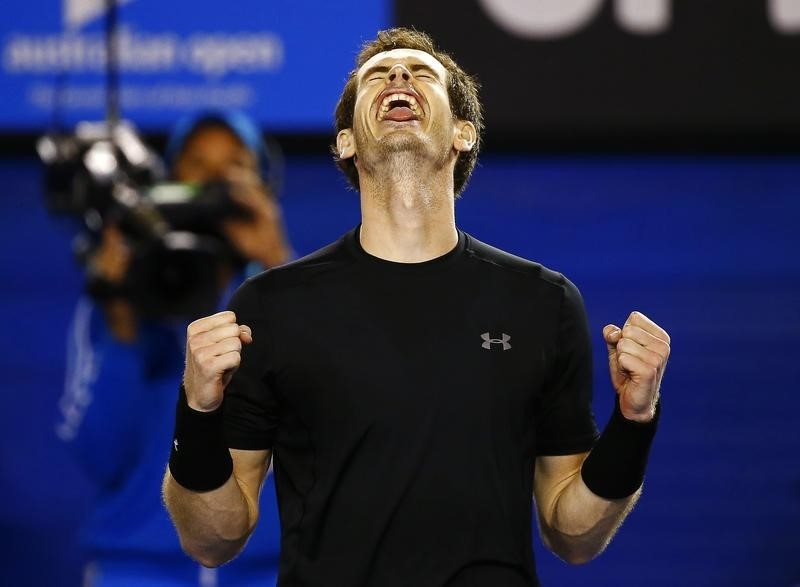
[[213, 353]]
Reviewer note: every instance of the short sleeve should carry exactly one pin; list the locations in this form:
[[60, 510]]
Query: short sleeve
[[564, 421], [251, 409]]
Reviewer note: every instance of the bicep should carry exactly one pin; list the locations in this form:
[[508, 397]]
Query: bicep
[[552, 474], [250, 469]]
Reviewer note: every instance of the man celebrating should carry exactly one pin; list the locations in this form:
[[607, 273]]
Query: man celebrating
[[414, 387]]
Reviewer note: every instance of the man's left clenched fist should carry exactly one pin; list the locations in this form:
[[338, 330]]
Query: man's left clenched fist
[[637, 357]]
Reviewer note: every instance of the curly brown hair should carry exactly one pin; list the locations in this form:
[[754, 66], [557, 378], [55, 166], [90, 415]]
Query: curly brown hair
[[462, 90]]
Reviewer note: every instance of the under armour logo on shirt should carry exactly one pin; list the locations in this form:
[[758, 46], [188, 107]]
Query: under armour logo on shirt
[[175, 443], [488, 341]]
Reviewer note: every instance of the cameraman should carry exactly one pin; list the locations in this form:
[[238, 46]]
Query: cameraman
[[124, 367]]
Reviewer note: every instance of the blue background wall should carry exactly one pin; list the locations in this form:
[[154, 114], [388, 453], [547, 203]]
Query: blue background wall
[[708, 247]]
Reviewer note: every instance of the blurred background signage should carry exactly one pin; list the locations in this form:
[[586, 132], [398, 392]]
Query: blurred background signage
[[268, 58], [574, 72], [585, 71]]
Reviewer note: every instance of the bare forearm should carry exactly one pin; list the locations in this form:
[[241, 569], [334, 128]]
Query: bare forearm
[[581, 524], [213, 526], [583, 498], [211, 490]]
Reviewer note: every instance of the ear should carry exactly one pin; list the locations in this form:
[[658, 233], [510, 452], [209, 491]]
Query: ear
[[345, 144], [464, 136]]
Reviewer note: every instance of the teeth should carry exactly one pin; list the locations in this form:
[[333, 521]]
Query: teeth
[[412, 101]]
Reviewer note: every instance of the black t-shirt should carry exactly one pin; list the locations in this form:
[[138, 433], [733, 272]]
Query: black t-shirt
[[405, 405]]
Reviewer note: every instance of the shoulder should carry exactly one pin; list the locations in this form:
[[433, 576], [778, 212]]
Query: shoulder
[[503, 261], [317, 266]]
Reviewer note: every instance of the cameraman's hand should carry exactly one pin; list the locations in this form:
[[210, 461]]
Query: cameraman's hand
[[260, 237], [213, 353], [111, 260]]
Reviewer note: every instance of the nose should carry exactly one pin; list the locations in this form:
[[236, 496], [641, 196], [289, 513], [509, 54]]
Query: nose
[[399, 73]]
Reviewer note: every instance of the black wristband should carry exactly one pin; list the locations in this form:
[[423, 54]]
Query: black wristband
[[615, 467], [199, 460]]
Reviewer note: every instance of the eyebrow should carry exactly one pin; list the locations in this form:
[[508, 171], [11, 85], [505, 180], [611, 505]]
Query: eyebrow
[[414, 67]]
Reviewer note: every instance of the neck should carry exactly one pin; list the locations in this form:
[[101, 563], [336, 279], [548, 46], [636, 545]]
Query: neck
[[409, 217]]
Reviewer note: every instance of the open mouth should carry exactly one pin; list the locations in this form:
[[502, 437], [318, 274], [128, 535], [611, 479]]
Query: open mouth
[[399, 107]]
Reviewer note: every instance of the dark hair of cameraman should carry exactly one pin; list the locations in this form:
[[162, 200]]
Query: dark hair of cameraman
[[214, 147]]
